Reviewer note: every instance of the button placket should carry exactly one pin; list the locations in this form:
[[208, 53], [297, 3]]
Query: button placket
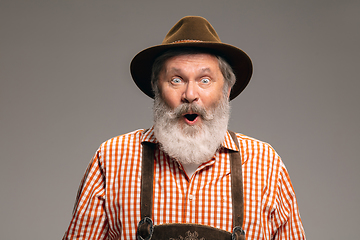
[[189, 198]]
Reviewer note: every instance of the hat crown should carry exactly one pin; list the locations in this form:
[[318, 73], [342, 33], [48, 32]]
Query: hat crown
[[191, 29]]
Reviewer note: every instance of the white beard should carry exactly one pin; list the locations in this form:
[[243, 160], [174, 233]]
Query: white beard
[[190, 144]]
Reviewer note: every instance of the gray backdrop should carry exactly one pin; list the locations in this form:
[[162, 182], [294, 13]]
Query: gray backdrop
[[66, 88]]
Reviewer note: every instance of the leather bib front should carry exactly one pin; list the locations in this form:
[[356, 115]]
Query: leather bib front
[[182, 231]]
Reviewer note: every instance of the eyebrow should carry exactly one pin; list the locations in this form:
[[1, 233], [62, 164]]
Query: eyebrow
[[178, 70]]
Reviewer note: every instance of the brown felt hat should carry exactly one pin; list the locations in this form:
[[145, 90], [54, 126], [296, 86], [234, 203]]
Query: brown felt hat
[[193, 32]]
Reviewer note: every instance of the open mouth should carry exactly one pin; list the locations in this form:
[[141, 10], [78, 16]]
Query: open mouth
[[191, 118]]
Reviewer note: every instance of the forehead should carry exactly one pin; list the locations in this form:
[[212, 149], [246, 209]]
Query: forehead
[[202, 60]]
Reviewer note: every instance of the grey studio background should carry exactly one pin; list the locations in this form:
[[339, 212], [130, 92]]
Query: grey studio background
[[66, 88]]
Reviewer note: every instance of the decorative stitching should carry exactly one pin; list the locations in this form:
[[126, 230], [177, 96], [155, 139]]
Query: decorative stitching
[[186, 40], [189, 236]]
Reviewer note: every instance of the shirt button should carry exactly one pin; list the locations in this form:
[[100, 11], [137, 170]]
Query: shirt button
[[191, 197]]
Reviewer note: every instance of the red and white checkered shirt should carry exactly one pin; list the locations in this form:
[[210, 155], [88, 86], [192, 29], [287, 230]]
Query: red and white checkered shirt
[[108, 201]]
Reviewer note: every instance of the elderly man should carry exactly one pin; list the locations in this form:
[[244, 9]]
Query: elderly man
[[187, 176]]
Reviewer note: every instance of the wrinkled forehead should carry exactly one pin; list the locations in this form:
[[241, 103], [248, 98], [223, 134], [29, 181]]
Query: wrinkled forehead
[[162, 58], [203, 62]]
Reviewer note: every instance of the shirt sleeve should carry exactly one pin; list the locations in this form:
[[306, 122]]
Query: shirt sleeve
[[286, 221], [89, 219]]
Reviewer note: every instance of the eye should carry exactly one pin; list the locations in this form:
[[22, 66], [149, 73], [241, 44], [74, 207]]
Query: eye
[[176, 80], [205, 80]]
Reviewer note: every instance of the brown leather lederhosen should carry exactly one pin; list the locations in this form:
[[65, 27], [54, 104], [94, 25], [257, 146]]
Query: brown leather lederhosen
[[181, 231]]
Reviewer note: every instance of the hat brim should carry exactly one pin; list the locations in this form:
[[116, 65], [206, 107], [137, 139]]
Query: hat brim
[[141, 65]]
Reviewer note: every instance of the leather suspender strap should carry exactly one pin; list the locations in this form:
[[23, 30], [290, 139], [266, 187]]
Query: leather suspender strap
[[236, 184], [147, 178]]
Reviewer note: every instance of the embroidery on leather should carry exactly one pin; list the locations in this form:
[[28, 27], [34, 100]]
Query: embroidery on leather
[[189, 236]]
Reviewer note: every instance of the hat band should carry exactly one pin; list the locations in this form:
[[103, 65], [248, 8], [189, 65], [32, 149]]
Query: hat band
[[185, 41]]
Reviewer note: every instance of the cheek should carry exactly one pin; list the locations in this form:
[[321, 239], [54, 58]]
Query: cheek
[[212, 99], [171, 98]]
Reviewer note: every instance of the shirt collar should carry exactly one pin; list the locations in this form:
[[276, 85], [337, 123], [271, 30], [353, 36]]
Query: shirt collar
[[148, 136], [229, 142]]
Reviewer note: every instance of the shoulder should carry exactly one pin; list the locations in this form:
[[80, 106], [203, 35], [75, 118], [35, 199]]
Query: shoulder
[[256, 150], [116, 151], [250, 141], [128, 142]]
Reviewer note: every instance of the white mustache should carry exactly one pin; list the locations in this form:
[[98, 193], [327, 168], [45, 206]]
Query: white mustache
[[191, 107]]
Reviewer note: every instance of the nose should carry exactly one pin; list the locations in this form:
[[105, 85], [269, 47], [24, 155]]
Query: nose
[[190, 93]]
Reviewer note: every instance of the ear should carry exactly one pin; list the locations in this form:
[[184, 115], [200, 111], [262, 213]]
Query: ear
[[228, 94]]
